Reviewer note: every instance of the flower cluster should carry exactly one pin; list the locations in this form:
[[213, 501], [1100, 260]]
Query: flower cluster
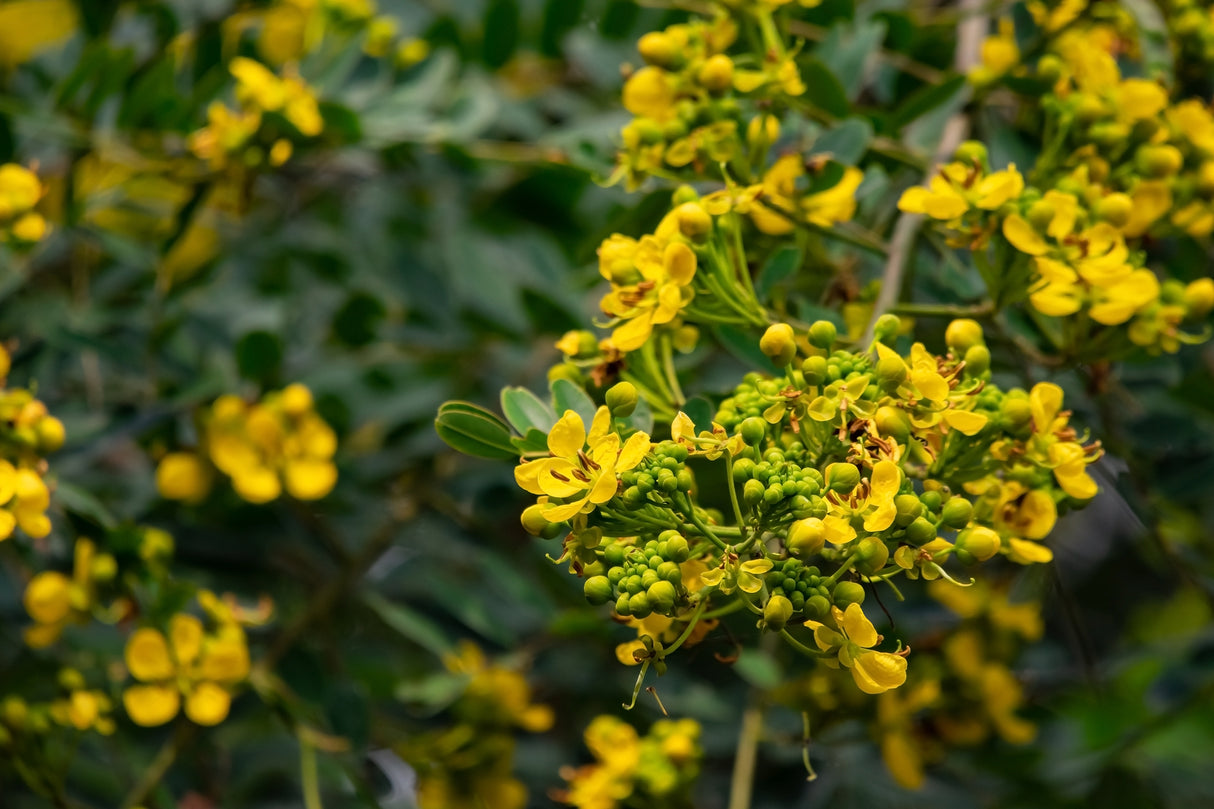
[[233, 137], [291, 29], [54, 600], [27, 433], [190, 662], [469, 763], [77, 707], [853, 468], [279, 442], [650, 771], [20, 190]]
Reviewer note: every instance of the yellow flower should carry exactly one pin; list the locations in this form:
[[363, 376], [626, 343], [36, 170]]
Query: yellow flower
[[874, 672], [775, 204], [730, 576], [653, 293], [583, 468], [183, 476], [190, 663], [958, 188], [29, 27], [999, 55], [259, 89]]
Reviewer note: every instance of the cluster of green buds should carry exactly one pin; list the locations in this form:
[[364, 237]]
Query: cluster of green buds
[[27, 434]]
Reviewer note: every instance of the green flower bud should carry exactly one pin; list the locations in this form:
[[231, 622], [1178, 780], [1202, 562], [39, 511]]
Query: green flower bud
[[694, 221], [842, 477], [909, 509], [1050, 68], [962, 334], [1108, 134], [1115, 209], [534, 523], [639, 605], [872, 554], [779, 343], [613, 554], [677, 550], [14, 712], [979, 542], [1158, 160], [682, 194], [848, 592], [70, 679], [661, 596], [973, 153], [886, 328], [977, 360], [598, 590], [891, 373], [921, 531], [623, 605], [752, 493], [1199, 297], [621, 399], [104, 568], [893, 422], [567, 371], [776, 612], [1040, 214], [814, 370], [1017, 412], [957, 512], [753, 431], [816, 607], [806, 537], [822, 334], [716, 74]]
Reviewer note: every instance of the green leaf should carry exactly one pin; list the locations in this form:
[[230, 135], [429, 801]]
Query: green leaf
[[83, 503], [786, 261], [568, 396], [525, 411], [926, 99], [532, 441], [474, 431], [826, 177], [642, 417], [409, 623], [501, 32], [823, 89], [744, 345], [847, 142], [846, 51], [759, 669], [700, 411]]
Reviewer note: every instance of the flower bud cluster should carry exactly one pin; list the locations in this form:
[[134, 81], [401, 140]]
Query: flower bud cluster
[[27, 433], [279, 442], [76, 706], [20, 190]]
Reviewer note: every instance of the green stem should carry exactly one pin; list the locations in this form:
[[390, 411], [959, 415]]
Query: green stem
[[699, 523], [941, 309], [672, 379], [160, 765], [695, 619], [728, 609], [309, 781], [801, 647], [846, 566], [733, 491], [637, 688]]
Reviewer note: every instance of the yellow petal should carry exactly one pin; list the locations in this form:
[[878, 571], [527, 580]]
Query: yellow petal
[[605, 487], [151, 705], [558, 513], [632, 334], [635, 449], [147, 656], [185, 636], [878, 672], [965, 422], [1045, 400], [207, 704], [526, 475], [1025, 552], [1023, 237], [567, 436], [838, 530], [48, 597], [858, 628], [310, 479], [680, 263]]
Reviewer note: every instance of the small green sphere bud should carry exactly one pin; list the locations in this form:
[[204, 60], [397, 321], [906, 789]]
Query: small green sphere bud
[[776, 612], [639, 605], [909, 509], [753, 431], [979, 542], [962, 334], [872, 554], [822, 334], [104, 568], [621, 399], [753, 493], [14, 711], [814, 370], [842, 477], [623, 604], [931, 499], [694, 221], [763, 129], [71, 679], [1090, 109], [1050, 68], [1017, 412], [973, 153], [957, 512], [779, 343], [1040, 214], [1115, 209], [848, 592], [683, 194], [893, 422], [1158, 160], [921, 531], [677, 550], [598, 590], [816, 607], [716, 74], [886, 328], [891, 373], [535, 523], [1199, 297], [661, 596], [977, 360], [806, 537]]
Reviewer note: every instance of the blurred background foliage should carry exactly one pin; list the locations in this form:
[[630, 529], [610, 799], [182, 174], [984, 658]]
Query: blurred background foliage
[[432, 244]]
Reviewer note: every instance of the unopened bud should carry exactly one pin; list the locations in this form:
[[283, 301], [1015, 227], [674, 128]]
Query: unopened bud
[[779, 343]]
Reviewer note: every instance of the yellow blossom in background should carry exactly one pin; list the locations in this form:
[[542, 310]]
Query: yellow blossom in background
[[628, 767], [258, 88], [1000, 55], [53, 600], [275, 444], [29, 27], [189, 663], [20, 191]]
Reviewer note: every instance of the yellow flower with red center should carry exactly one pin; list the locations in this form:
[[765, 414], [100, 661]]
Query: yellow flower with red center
[[583, 469]]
